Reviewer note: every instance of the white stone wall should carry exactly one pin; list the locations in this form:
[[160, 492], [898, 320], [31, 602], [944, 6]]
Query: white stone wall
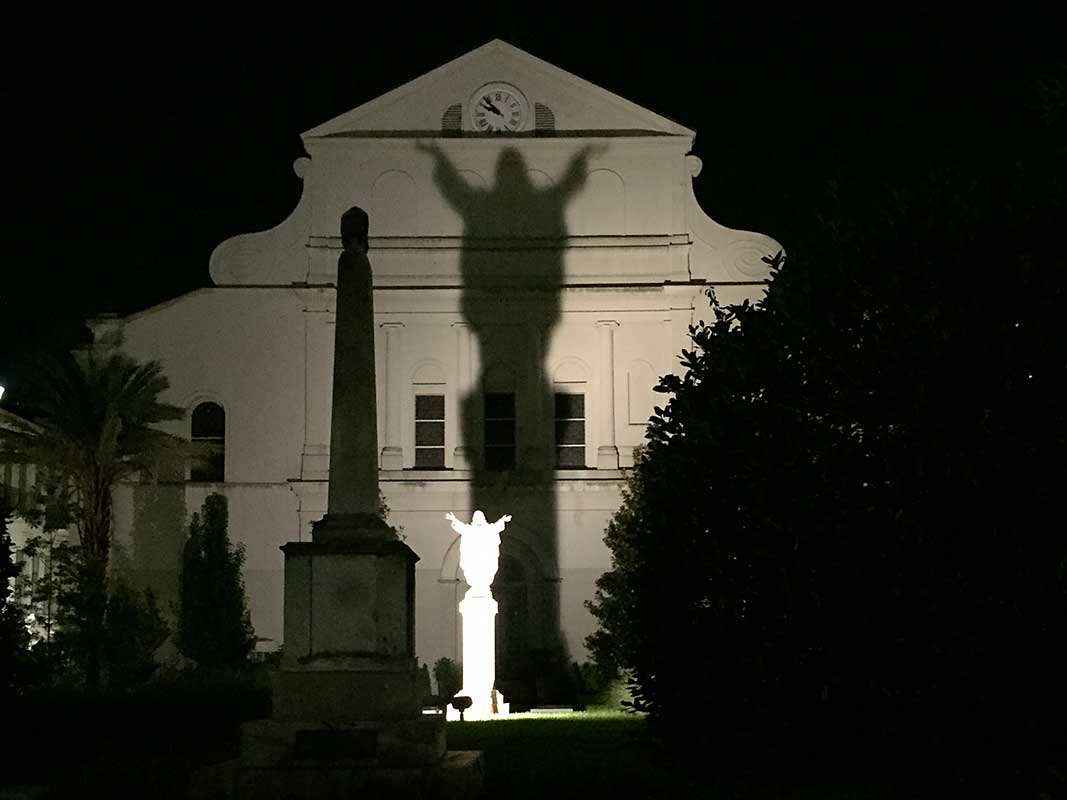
[[630, 252], [250, 350], [630, 187]]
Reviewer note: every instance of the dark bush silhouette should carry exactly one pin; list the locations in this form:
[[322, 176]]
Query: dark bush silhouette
[[13, 638], [840, 535], [214, 628], [449, 677]]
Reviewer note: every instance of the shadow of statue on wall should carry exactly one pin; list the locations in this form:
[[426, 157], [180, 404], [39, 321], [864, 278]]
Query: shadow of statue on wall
[[514, 234], [151, 558]]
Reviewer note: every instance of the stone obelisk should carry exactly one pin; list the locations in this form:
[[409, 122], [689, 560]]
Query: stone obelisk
[[352, 507], [349, 593], [347, 714]]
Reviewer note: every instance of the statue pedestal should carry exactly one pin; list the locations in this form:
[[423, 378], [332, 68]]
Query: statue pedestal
[[479, 658]]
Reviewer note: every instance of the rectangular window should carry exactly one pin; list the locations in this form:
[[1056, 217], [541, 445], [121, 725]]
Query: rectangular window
[[429, 431], [570, 431], [500, 431]]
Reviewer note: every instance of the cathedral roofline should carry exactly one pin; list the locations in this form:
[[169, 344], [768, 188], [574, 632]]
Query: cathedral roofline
[[426, 97]]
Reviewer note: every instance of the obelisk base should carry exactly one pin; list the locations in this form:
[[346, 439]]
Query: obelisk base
[[347, 715]]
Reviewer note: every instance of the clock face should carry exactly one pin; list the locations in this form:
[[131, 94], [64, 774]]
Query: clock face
[[498, 107]]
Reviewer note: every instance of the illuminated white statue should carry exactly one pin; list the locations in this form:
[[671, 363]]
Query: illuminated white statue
[[479, 552], [479, 549]]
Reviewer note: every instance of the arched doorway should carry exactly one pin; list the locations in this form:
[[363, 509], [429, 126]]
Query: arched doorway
[[514, 639]]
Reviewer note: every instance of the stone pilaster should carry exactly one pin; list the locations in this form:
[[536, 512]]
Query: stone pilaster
[[607, 456], [318, 350], [393, 451], [463, 455]]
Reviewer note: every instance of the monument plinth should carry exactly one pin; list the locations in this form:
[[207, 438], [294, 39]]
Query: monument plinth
[[349, 592], [347, 715]]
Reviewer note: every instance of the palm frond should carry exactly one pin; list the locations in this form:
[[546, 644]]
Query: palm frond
[[94, 414]]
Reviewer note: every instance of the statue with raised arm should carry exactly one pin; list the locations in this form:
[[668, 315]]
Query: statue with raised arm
[[479, 549]]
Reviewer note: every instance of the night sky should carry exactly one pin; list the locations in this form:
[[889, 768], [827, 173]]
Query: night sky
[[136, 145]]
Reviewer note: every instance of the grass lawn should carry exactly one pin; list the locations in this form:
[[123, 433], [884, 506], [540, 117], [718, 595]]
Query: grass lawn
[[149, 746], [595, 754], [584, 754]]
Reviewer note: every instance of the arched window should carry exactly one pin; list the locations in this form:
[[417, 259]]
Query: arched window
[[209, 428]]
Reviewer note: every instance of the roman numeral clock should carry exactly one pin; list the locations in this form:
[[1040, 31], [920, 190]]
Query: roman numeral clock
[[498, 108]]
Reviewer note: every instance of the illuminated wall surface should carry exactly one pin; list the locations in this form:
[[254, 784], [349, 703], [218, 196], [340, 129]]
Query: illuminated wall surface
[[538, 254]]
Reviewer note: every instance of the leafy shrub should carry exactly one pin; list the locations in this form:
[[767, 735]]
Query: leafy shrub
[[214, 627], [449, 677], [62, 623], [134, 629], [14, 641], [868, 458], [596, 685]]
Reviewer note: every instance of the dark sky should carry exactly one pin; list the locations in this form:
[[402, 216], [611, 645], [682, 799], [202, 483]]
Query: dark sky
[[136, 145]]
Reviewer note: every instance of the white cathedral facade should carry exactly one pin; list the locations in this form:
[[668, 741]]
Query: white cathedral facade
[[538, 255]]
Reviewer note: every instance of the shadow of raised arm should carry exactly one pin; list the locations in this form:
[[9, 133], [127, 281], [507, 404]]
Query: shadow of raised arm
[[456, 190], [578, 169]]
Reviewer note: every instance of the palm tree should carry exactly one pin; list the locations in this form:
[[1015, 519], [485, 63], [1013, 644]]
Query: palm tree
[[94, 413]]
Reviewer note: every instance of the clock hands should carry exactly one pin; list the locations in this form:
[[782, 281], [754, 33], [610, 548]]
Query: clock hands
[[488, 105]]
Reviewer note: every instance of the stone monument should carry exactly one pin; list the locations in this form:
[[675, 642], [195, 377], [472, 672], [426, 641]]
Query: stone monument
[[347, 718], [479, 554]]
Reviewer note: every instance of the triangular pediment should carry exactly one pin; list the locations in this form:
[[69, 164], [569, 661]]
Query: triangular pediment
[[421, 105]]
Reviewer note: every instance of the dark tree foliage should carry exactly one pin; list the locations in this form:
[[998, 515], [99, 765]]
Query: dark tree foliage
[[132, 626], [449, 677], [77, 619], [214, 627], [135, 629], [13, 637], [844, 530], [93, 415]]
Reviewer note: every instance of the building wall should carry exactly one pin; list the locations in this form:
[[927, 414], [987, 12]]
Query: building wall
[[569, 259], [265, 355], [629, 187]]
